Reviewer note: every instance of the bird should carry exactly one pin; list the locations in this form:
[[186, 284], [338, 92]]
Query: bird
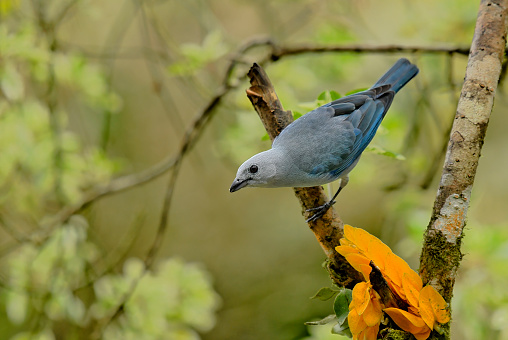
[[325, 144]]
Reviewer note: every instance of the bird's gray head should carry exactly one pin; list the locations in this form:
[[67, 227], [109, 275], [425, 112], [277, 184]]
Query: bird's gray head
[[258, 171]]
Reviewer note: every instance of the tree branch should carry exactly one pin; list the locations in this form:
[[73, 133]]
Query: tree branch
[[328, 229], [441, 253], [280, 51]]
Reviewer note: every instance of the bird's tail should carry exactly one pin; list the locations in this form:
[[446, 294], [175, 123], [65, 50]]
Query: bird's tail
[[398, 76]]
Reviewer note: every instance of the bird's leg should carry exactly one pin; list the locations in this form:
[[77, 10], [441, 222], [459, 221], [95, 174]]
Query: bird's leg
[[320, 211], [329, 187]]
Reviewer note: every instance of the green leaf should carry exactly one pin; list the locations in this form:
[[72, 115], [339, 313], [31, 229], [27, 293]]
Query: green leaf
[[328, 96], [380, 151], [324, 294], [324, 98], [335, 95], [323, 321], [11, 83], [341, 305], [342, 329], [325, 95], [356, 91], [341, 309], [265, 137], [297, 115]]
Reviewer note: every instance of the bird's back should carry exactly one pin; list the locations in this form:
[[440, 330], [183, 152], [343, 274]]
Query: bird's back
[[327, 142]]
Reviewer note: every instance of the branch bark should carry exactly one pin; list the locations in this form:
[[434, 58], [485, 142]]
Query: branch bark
[[441, 255], [328, 229]]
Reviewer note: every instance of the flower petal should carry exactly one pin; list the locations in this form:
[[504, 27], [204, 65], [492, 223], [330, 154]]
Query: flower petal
[[376, 300], [365, 270], [372, 314], [361, 297], [412, 284], [414, 279], [413, 310], [427, 314], [422, 336], [358, 236], [360, 263], [378, 252], [347, 249], [407, 321], [395, 269], [345, 242], [370, 333], [356, 323], [431, 299]]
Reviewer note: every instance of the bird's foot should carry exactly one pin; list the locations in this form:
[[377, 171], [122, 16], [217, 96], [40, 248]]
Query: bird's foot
[[320, 211]]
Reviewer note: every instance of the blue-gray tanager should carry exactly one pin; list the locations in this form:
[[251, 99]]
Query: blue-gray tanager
[[326, 143]]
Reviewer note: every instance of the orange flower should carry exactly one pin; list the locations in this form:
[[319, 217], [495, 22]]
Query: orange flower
[[365, 312], [426, 308]]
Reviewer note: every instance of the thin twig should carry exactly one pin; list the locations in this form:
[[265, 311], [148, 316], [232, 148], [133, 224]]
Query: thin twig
[[64, 12], [157, 77], [111, 47], [282, 51]]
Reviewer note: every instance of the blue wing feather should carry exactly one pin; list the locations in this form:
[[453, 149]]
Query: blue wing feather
[[328, 141]]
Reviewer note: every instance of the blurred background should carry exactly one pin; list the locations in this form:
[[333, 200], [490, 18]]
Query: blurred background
[[92, 91]]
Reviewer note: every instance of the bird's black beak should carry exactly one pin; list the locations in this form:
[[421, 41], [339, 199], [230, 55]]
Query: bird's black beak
[[238, 184]]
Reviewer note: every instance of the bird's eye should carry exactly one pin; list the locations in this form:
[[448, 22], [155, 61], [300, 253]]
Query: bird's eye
[[253, 169]]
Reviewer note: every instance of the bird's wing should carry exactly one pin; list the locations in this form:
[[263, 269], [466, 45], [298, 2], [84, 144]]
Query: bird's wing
[[365, 120], [319, 141], [327, 141]]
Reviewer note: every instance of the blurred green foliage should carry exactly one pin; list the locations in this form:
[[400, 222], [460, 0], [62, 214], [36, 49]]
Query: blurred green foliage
[[46, 283], [44, 162], [172, 302], [194, 57], [52, 286], [481, 298]]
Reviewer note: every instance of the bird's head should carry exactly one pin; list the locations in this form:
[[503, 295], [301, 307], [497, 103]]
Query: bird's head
[[257, 171]]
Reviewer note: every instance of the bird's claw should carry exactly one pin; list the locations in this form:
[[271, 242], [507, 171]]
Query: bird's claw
[[320, 211]]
